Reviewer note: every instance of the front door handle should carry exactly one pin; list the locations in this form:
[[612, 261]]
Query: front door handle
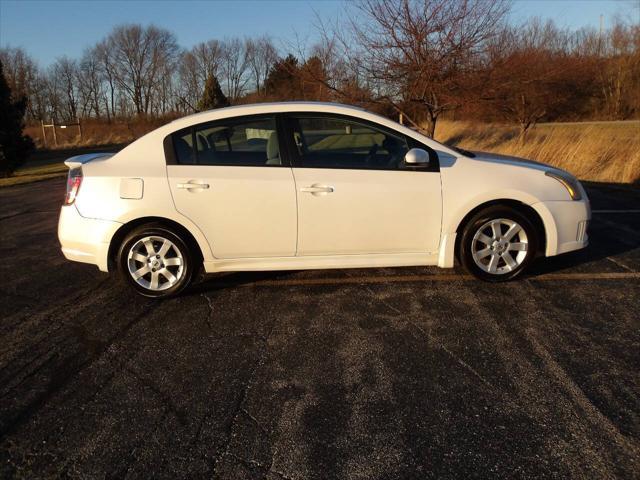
[[193, 185], [317, 189]]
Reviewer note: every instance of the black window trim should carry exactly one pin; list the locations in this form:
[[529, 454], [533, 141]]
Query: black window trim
[[292, 149], [171, 157]]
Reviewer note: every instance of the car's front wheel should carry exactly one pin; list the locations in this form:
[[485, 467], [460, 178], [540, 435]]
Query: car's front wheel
[[155, 261], [498, 243]]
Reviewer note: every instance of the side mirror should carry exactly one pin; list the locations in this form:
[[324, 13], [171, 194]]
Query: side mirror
[[417, 157]]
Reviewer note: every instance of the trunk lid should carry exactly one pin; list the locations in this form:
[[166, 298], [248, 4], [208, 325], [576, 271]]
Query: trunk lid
[[79, 160]]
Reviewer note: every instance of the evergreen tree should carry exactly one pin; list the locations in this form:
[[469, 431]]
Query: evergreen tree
[[283, 81], [14, 146], [212, 97]]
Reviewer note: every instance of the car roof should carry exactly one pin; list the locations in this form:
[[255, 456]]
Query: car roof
[[283, 107], [270, 107]]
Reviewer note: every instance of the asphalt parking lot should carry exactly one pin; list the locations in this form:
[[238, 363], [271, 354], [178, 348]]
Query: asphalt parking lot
[[381, 373]]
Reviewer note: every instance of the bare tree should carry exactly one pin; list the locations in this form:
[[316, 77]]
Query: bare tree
[[90, 83], [326, 73], [420, 58], [24, 79], [196, 66], [234, 69], [261, 56], [139, 57], [52, 93], [164, 92], [533, 75], [65, 71], [107, 70], [619, 76], [208, 57], [417, 52]]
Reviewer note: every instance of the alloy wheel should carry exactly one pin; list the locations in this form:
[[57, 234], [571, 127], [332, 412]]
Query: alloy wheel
[[155, 263], [499, 246]]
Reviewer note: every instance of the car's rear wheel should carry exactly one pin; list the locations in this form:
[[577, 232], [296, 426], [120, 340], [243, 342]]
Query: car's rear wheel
[[156, 261], [498, 243]]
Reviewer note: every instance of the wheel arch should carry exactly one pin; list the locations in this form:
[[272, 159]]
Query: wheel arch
[[525, 209], [121, 233]]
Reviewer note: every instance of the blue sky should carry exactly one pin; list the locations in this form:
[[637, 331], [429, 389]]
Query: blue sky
[[49, 29]]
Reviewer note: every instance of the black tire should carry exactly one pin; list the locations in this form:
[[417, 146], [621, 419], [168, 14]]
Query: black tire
[[503, 272], [180, 249]]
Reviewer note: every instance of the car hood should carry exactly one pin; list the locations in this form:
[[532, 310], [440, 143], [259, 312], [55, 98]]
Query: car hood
[[509, 160]]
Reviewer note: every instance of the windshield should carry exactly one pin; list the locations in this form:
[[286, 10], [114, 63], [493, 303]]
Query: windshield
[[464, 152]]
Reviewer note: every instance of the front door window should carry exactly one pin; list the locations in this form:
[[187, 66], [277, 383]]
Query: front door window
[[328, 142]]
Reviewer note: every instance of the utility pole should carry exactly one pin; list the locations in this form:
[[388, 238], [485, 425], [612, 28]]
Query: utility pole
[[55, 137], [44, 134], [600, 34]]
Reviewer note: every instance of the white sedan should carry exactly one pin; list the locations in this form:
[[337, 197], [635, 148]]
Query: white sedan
[[309, 186]]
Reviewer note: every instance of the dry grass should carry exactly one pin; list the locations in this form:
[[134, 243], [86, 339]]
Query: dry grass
[[95, 133], [35, 174], [596, 151], [45, 164]]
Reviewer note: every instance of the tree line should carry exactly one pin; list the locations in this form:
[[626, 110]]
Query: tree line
[[420, 59]]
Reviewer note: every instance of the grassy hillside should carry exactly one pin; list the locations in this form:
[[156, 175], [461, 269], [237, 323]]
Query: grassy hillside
[[597, 151]]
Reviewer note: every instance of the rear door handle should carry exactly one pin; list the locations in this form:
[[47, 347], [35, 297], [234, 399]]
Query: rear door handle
[[317, 189], [193, 185]]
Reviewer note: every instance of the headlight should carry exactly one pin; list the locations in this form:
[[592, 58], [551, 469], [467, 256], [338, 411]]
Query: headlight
[[568, 181]]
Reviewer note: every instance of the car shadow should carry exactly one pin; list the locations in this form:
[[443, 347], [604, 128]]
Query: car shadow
[[212, 282]]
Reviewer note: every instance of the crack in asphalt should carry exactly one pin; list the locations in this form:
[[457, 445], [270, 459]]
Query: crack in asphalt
[[239, 408], [53, 311], [181, 416], [17, 295], [466, 365], [255, 464], [407, 317], [255, 421], [47, 315], [620, 264], [209, 412], [33, 372], [625, 228], [27, 212], [211, 310], [575, 392], [578, 398], [130, 460], [92, 397], [65, 376]]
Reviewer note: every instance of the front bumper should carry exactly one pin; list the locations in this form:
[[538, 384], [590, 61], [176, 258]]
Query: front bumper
[[85, 239], [565, 224]]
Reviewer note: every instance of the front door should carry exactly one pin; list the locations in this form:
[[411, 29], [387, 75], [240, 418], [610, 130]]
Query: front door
[[230, 180], [355, 194]]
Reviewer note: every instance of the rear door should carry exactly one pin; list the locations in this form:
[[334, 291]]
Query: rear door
[[229, 178], [355, 194]]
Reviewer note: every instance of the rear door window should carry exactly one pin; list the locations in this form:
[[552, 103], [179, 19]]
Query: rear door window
[[248, 141]]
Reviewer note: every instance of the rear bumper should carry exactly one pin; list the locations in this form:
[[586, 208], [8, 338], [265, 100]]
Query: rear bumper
[[83, 239], [565, 224]]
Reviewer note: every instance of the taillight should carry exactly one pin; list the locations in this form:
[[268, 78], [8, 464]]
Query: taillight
[[74, 180]]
